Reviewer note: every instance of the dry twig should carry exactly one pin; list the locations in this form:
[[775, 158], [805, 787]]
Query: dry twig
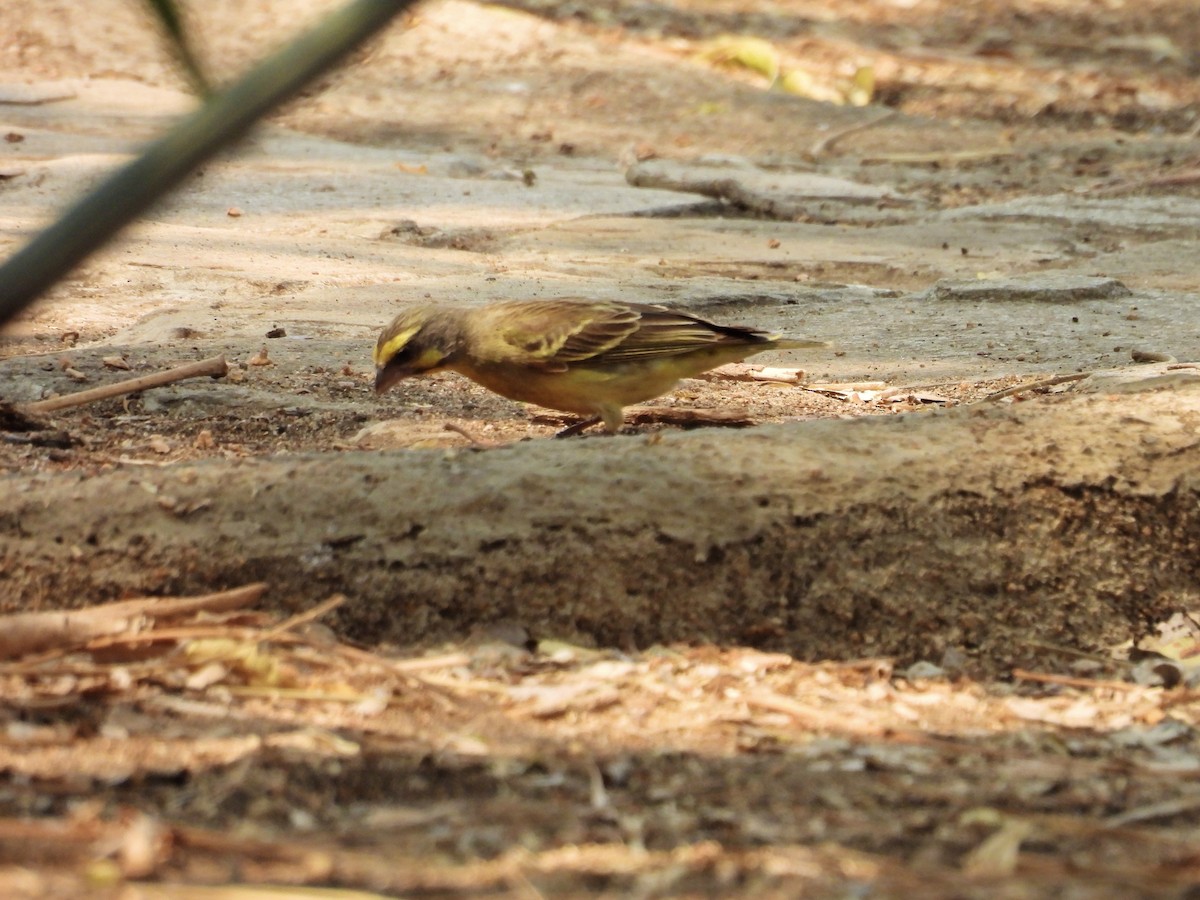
[[945, 158], [303, 618], [1181, 178], [214, 367], [1088, 684], [825, 144], [24, 633], [1034, 386], [670, 415], [476, 441], [687, 418]]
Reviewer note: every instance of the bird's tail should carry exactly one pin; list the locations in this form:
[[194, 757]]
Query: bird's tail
[[797, 344]]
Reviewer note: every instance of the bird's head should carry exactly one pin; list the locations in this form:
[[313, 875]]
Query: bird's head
[[418, 341]]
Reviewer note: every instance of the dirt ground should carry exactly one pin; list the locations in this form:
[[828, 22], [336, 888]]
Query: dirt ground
[[1017, 204]]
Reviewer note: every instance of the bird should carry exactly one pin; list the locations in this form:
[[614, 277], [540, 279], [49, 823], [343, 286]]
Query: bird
[[588, 357]]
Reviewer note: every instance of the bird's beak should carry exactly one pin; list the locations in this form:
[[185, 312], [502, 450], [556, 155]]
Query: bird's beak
[[387, 377]]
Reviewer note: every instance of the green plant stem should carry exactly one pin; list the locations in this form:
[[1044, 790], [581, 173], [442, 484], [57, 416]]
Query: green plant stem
[[169, 15], [225, 116]]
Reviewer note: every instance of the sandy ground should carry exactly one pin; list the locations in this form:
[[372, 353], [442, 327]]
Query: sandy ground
[[1027, 210]]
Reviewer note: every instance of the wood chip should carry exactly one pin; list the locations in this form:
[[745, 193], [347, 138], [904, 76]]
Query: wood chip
[[754, 372]]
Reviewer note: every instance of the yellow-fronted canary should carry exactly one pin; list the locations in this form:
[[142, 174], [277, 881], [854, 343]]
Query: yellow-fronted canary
[[589, 357]]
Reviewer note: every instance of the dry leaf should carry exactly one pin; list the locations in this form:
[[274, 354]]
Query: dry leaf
[[919, 397], [311, 740], [799, 83], [997, 855], [750, 53], [178, 508], [206, 676], [855, 396], [803, 84], [116, 362], [564, 653], [143, 845], [862, 87], [552, 700], [374, 704], [755, 661], [243, 657], [1177, 638]]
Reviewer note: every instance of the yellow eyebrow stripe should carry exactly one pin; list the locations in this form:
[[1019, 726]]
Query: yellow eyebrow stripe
[[393, 345]]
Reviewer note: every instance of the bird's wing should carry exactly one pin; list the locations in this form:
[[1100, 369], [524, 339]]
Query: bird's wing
[[663, 332], [555, 334]]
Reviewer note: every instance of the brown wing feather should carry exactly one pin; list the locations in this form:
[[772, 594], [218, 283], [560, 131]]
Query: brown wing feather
[[553, 333], [557, 333], [663, 332]]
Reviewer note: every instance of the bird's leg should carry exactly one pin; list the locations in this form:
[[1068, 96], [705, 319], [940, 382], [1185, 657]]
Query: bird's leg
[[577, 427]]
